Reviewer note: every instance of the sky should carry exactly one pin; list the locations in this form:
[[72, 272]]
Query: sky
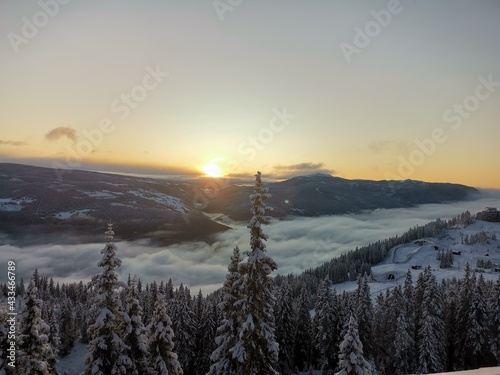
[[369, 90], [296, 244]]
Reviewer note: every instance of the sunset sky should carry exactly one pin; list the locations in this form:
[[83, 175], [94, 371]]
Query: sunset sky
[[370, 90]]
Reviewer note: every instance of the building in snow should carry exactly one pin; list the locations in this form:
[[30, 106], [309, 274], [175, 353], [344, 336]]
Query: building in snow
[[489, 214]]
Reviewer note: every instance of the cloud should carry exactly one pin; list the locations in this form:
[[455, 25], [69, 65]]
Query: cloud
[[61, 131], [285, 171], [12, 143], [296, 245]]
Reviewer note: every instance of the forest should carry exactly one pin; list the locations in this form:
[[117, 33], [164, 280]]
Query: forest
[[258, 323]]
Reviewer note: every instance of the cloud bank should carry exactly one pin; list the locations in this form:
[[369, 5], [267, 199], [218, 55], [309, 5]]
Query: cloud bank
[[60, 132], [295, 244]]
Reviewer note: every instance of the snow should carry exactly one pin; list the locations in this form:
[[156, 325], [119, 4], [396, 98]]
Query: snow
[[481, 371], [63, 215], [104, 194], [403, 257], [14, 204], [74, 362], [163, 199]]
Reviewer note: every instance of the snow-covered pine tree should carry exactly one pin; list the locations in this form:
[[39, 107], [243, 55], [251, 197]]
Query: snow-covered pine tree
[[257, 349], [326, 326], [495, 322], [364, 315], [68, 331], [107, 353], [404, 345], [184, 324], [227, 333], [207, 329], [303, 331], [163, 359], [35, 355], [477, 333], [431, 343], [351, 358], [285, 328], [462, 343], [135, 332]]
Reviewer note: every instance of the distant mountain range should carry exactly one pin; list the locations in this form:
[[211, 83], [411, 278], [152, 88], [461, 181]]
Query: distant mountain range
[[38, 207]]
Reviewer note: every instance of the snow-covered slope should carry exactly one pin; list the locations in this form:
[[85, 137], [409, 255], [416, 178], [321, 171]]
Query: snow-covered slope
[[422, 253]]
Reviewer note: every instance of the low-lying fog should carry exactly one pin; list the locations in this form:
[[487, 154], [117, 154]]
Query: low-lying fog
[[295, 244]]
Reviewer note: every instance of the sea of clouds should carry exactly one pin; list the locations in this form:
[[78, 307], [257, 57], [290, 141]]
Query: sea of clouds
[[295, 244]]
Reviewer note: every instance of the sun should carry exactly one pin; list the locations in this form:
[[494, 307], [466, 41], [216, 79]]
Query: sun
[[212, 169]]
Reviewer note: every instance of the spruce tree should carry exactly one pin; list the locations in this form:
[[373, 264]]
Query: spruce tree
[[135, 331], [326, 326], [285, 328], [495, 322], [227, 333], [351, 358], [431, 344], [35, 354], [107, 352], [257, 349], [163, 359], [184, 324], [303, 331]]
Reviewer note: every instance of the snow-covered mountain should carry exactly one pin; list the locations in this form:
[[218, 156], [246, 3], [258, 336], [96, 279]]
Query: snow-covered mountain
[[39, 205], [417, 255]]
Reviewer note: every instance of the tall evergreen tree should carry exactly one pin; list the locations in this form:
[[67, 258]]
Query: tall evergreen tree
[[285, 328], [68, 331], [227, 333], [257, 349], [107, 352], [303, 331], [35, 354], [184, 324], [135, 338], [477, 333], [495, 322], [326, 326], [351, 358], [163, 359], [431, 344], [364, 315], [404, 345]]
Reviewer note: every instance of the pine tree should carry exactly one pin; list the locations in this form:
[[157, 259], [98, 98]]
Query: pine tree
[[227, 333], [431, 347], [326, 326], [107, 353], [257, 349], [285, 328], [68, 331], [351, 358], [477, 334], [35, 354], [183, 323], [404, 345], [364, 315], [495, 322], [135, 332], [463, 344], [163, 359], [303, 342]]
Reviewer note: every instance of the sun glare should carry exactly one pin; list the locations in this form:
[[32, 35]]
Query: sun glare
[[212, 169]]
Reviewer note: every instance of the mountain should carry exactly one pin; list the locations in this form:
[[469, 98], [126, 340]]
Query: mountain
[[323, 194], [39, 206]]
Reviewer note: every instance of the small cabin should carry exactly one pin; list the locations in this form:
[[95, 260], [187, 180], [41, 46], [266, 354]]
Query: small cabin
[[490, 214], [415, 267], [456, 252]]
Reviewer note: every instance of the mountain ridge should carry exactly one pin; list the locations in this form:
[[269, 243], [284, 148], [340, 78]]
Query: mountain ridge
[[36, 205]]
